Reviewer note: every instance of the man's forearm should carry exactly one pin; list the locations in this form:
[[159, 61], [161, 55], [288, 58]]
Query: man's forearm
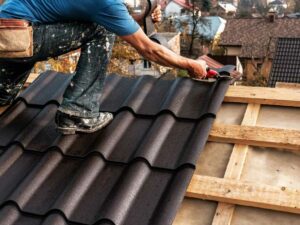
[[165, 57]]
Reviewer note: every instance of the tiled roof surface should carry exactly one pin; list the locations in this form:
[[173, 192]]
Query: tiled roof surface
[[286, 63], [133, 172], [258, 36]]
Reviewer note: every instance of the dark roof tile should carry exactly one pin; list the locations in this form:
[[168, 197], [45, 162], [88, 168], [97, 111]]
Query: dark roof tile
[[128, 137], [90, 189], [47, 87], [15, 120], [133, 172], [145, 95]]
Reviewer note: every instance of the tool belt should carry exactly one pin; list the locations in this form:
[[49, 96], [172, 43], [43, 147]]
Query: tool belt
[[16, 38]]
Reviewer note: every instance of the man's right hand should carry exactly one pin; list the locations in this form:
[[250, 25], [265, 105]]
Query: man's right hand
[[197, 69]]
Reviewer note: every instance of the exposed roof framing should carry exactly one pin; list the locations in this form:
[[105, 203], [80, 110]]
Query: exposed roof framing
[[230, 191]]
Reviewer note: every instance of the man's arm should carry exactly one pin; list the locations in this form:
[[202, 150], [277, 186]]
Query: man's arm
[[163, 56]]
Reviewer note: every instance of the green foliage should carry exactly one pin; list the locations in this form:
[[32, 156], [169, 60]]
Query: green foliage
[[206, 5], [297, 6], [262, 10], [259, 81], [244, 9], [182, 73], [246, 4], [244, 13]]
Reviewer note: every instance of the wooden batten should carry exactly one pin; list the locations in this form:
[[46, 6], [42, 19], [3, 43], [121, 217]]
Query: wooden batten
[[287, 85], [262, 95], [256, 136], [225, 211], [247, 194]]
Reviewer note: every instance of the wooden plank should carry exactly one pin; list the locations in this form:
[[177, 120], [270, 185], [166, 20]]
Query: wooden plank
[[262, 95], [287, 85], [239, 153], [224, 212], [243, 193], [256, 136], [251, 115]]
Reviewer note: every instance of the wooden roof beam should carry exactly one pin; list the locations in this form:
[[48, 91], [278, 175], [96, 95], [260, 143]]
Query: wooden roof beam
[[256, 136], [237, 192], [263, 95]]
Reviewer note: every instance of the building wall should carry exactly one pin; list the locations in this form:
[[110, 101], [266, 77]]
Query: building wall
[[233, 51]]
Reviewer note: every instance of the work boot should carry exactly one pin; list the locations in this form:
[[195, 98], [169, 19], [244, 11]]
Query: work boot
[[68, 124], [5, 98]]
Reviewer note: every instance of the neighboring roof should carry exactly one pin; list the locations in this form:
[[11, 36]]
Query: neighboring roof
[[182, 3], [163, 4], [294, 15], [228, 7], [277, 2], [214, 26], [133, 172], [211, 62], [286, 63], [255, 36]]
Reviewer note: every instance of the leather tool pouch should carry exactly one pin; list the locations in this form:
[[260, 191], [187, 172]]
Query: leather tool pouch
[[16, 39]]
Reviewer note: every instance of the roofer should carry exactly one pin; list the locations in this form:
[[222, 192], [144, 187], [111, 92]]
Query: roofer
[[64, 25]]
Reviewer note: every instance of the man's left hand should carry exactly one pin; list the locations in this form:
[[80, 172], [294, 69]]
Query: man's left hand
[[156, 15]]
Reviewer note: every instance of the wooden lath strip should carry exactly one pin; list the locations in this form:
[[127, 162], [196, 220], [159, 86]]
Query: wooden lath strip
[[247, 194], [287, 85], [224, 212], [256, 136], [251, 115], [262, 95]]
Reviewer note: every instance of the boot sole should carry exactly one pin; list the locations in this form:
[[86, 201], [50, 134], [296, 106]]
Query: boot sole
[[71, 131]]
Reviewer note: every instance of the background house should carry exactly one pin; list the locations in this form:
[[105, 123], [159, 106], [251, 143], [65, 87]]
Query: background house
[[223, 9], [254, 41], [176, 8], [286, 63], [278, 6]]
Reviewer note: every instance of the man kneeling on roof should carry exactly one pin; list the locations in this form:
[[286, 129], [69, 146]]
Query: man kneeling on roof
[[62, 26]]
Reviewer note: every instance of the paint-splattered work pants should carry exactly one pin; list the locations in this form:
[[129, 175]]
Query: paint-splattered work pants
[[51, 40]]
